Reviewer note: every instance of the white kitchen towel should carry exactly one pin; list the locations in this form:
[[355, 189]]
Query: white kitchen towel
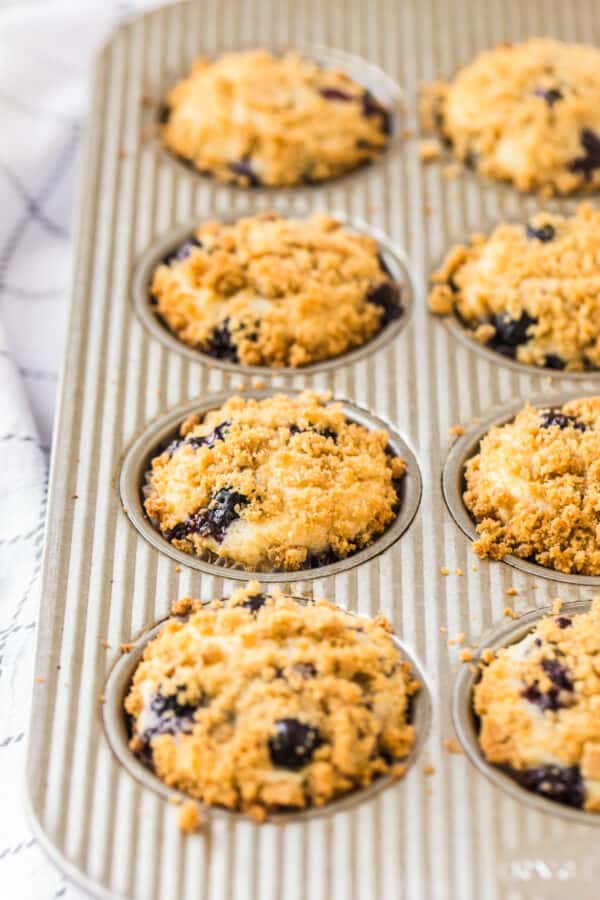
[[46, 54]]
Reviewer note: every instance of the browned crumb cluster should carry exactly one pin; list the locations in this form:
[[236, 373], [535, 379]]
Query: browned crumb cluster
[[539, 705], [281, 483], [527, 113], [530, 291], [262, 703], [272, 291], [534, 487], [252, 118]]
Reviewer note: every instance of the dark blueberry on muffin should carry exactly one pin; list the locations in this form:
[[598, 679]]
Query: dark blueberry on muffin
[[293, 744], [543, 233]]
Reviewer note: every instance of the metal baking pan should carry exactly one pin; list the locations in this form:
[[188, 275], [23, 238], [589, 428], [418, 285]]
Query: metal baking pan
[[450, 834]]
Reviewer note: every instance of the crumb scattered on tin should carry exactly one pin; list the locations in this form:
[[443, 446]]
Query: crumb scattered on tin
[[429, 150], [127, 646], [444, 571], [190, 819], [487, 655], [465, 655], [105, 644], [452, 170], [258, 813], [399, 771], [428, 769], [458, 571], [451, 745], [511, 592], [510, 613], [457, 430]]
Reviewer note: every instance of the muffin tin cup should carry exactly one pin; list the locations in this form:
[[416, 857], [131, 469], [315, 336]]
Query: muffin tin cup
[[367, 74], [453, 482], [465, 723], [137, 464], [115, 727], [394, 258], [461, 332]]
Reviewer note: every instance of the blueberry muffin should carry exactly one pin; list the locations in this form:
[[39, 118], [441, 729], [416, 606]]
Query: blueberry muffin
[[269, 291], [526, 113], [534, 488], [261, 703], [539, 707], [253, 119], [531, 292], [277, 484]]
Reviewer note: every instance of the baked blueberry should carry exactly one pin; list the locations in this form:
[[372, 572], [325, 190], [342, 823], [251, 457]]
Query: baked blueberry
[[335, 94], [372, 107], [220, 344], [544, 699], [387, 296], [183, 251], [214, 520], [554, 361], [558, 783], [315, 560], [273, 730], [305, 670], [542, 233], [563, 621], [293, 744], [209, 440], [554, 418], [254, 602], [509, 333], [244, 170], [550, 95], [590, 161]]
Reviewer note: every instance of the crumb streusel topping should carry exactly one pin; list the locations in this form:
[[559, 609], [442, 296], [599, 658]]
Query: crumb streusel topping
[[534, 488], [531, 292], [271, 291], [277, 484], [252, 118], [528, 113], [539, 706], [260, 703]]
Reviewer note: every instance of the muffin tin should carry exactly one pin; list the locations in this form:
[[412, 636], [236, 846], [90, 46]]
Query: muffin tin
[[444, 831]]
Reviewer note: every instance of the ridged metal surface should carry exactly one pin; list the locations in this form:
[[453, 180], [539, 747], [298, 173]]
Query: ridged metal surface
[[448, 835]]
